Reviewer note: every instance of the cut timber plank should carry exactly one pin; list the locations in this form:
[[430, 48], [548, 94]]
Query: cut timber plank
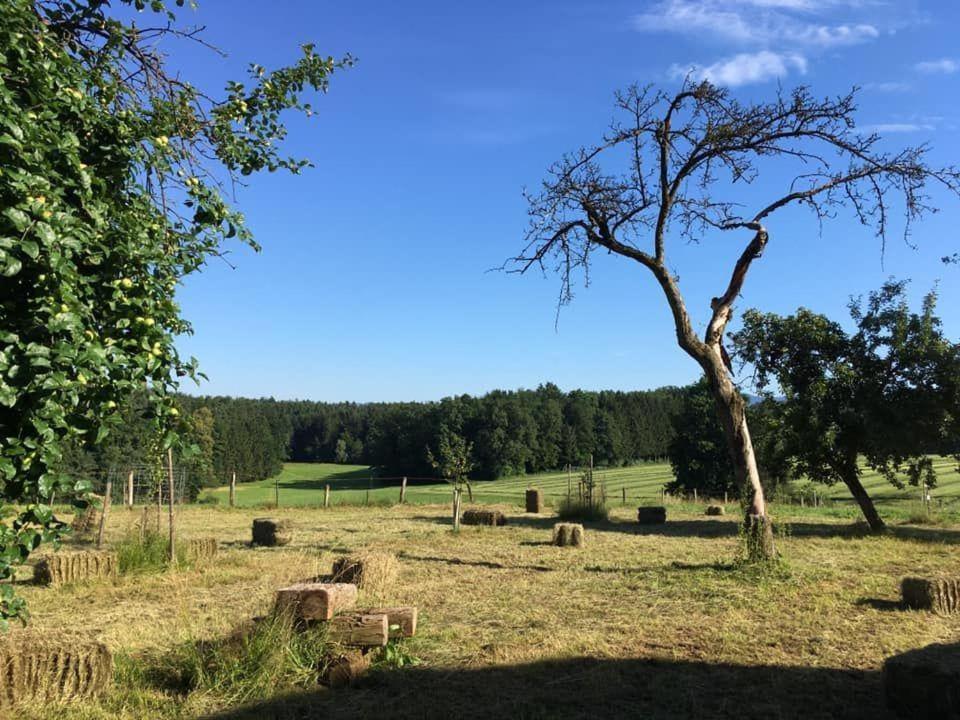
[[316, 601], [359, 630], [401, 621]]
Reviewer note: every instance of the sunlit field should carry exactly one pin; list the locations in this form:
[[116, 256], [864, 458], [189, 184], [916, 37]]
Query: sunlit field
[[303, 484]]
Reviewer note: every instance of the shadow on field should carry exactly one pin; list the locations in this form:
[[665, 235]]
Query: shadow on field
[[592, 688], [473, 563], [347, 480]]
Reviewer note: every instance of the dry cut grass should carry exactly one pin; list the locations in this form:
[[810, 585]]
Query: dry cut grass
[[645, 621]]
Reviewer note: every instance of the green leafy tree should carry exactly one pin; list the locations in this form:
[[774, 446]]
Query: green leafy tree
[[111, 192], [889, 393]]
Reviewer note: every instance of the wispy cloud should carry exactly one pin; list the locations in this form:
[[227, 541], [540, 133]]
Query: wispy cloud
[[759, 22], [895, 128], [889, 87], [744, 68], [946, 66]]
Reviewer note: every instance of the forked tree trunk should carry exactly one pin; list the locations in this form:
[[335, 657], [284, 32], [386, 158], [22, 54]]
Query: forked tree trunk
[[852, 481]]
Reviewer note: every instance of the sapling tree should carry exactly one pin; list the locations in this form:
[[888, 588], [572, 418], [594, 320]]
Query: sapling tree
[[454, 461], [674, 169], [112, 189], [887, 394]]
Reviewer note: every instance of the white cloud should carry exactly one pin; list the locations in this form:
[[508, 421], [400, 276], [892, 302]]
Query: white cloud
[[895, 128], [753, 22], [745, 68], [946, 66]]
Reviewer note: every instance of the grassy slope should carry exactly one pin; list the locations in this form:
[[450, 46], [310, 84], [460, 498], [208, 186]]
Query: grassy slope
[[643, 622], [303, 484]]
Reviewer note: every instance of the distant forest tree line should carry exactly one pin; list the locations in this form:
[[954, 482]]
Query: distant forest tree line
[[511, 432]]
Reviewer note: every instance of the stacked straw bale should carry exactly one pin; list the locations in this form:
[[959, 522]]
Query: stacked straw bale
[[67, 567], [36, 669]]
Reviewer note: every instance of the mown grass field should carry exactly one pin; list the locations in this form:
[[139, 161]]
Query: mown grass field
[[302, 484], [645, 621]]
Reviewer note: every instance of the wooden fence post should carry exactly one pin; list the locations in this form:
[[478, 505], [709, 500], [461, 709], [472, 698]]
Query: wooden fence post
[[624, 495], [173, 549], [130, 489], [725, 501], [403, 490], [456, 510], [233, 489], [695, 495], [326, 496], [369, 483], [103, 513]]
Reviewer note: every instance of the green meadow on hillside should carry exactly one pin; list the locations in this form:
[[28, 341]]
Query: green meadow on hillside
[[302, 484]]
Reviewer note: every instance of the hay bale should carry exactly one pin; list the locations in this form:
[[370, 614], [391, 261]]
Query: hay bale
[[534, 499], [924, 683], [270, 532], [568, 535], [36, 669], [346, 668], [371, 571], [202, 548], [483, 517], [651, 515], [67, 567], [940, 595], [716, 510]]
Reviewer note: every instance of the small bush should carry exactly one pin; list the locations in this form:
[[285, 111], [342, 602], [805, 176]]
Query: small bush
[[573, 508], [148, 552]]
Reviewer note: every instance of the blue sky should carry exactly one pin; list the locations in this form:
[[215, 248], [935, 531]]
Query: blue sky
[[373, 282]]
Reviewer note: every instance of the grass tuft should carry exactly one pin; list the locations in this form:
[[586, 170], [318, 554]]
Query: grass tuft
[[146, 552]]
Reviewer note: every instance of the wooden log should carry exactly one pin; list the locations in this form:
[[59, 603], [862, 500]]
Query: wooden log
[[359, 630], [67, 567], [270, 532], [43, 670], [715, 510], [474, 516], [941, 595], [651, 515], [316, 601], [401, 621], [346, 668], [924, 684], [534, 500], [568, 535]]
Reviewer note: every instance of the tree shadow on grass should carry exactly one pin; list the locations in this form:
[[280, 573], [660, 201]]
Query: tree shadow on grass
[[473, 563], [882, 605], [592, 688]]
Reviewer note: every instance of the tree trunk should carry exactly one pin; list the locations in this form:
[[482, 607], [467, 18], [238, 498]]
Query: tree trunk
[[732, 412], [852, 481]]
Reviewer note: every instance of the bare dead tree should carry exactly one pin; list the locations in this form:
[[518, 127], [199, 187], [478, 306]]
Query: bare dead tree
[[663, 175]]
